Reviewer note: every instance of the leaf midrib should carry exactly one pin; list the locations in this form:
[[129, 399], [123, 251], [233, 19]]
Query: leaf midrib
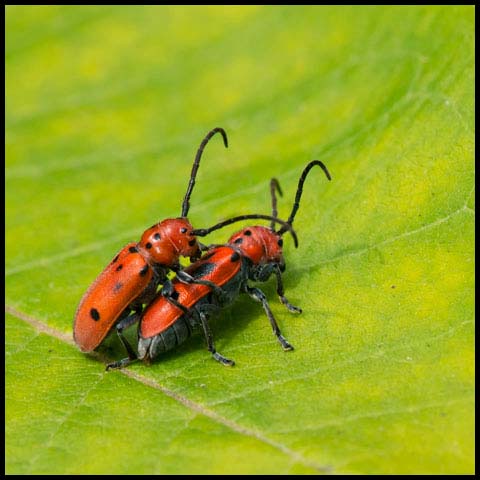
[[42, 327]]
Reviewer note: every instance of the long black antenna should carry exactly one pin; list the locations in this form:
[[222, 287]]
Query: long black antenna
[[298, 195], [201, 232], [274, 185], [196, 164]]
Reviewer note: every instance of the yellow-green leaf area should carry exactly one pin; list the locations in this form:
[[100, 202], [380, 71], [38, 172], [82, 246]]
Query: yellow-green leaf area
[[105, 109]]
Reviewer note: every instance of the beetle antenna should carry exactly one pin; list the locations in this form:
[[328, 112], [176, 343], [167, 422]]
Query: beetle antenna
[[196, 164], [201, 232], [298, 195], [274, 185]]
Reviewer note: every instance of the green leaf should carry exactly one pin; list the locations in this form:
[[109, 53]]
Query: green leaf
[[106, 107]]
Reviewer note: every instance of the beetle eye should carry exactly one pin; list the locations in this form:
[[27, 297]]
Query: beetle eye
[[183, 230]]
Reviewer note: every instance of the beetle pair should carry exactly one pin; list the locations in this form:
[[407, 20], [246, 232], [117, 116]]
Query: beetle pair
[[206, 286]]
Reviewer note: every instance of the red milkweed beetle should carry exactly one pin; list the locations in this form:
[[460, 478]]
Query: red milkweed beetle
[[132, 277], [253, 253]]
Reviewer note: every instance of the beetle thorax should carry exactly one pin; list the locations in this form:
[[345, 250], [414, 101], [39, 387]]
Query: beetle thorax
[[165, 242], [260, 244]]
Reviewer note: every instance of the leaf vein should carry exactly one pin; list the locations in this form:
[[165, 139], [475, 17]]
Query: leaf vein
[[393, 239], [186, 402]]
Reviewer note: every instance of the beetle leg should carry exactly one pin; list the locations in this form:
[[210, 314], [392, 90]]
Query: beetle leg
[[210, 345], [167, 288], [120, 363], [203, 247], [280, 292], [184, 277], [124, 323], [259, 296], [169, 292]]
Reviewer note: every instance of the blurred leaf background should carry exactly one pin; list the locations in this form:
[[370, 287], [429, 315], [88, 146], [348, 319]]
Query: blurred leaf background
[[105, 108]]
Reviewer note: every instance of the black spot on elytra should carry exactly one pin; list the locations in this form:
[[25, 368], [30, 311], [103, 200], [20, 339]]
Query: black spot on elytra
[[133, 249], [148, 245], [175, 295], [119, 268], [144, 271], [157, 236], [117, 287], [238, 240], [115, 259], [192, 242], [280, 242], [202, 270], [235, 257], [247, 233], [94, 314]]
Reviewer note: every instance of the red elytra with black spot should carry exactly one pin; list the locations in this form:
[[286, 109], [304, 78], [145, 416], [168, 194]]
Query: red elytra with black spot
[[127, 276], [161, 313]]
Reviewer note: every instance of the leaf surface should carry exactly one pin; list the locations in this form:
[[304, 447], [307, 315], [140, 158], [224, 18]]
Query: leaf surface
[[106, 107]]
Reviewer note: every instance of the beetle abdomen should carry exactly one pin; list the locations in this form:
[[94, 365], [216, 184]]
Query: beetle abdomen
[[170, 338]]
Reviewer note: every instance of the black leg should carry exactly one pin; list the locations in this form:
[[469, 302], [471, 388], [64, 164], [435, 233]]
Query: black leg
[[184, 277], [120, 363], [147, 295], [259, 296], [125, 322], [121, 326], [211, 345], [291, 308], [171, 295], [203, 248]]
